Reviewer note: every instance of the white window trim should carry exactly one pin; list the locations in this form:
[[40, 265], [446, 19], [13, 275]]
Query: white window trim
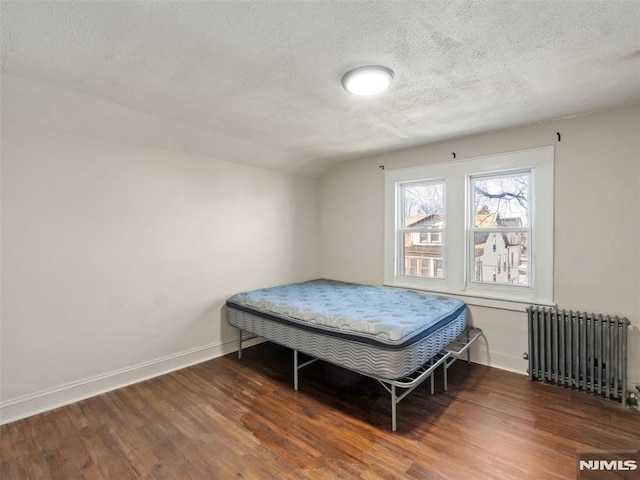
[[456, 251]]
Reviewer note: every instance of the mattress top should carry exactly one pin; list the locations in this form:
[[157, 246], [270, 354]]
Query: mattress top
[[386, 314]]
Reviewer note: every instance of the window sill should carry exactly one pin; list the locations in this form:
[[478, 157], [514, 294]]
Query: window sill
[[483, 300]]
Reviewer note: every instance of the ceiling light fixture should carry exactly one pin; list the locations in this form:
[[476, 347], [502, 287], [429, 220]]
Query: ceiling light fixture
[[367, 80]]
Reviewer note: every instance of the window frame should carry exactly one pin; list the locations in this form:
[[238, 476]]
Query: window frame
[[458, 270], [402, 230], [494, 232]]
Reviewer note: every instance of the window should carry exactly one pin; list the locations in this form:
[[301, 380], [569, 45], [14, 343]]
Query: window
[[498, 227], [430, 237], [421, 226], [481, 228]]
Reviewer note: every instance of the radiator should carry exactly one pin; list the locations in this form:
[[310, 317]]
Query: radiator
[[579, 350]]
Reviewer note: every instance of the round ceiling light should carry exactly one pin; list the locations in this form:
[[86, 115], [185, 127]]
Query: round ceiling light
[[367, 80]]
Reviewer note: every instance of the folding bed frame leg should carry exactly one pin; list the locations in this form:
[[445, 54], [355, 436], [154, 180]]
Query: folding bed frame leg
[[394, 403], [445, 376], [240, 344], [295, 370], [433, 388], [297, 366]]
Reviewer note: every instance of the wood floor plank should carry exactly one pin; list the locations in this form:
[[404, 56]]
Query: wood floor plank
[[241, 419]]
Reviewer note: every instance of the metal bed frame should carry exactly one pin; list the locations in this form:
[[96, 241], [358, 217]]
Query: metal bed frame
[[445, 357]]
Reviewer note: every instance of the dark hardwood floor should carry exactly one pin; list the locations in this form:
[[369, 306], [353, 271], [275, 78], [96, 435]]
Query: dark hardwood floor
[[241, 419]]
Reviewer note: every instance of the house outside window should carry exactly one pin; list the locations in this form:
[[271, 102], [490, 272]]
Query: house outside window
[[481, 227]]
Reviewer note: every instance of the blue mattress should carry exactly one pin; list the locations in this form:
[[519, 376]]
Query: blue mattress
[[379, 331], [388, 317]]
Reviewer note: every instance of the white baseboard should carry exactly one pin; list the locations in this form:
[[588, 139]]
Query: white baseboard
[[499, 360], [48, 399]]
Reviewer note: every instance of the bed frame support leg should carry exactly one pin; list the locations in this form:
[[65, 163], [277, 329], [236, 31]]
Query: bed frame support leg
[[394, 403], [295, 370], [432, 378], [240, 344], [297, 366], [445, 375]]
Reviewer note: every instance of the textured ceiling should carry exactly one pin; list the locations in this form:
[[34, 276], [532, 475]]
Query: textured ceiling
[[270, 71]]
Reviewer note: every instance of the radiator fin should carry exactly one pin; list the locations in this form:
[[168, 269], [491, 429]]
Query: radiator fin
[[579, 350]]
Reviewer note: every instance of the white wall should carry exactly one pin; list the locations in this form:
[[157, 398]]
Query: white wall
[[597, 221], [117, 257]]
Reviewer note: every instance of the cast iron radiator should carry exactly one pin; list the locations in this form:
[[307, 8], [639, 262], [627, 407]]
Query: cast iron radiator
[[579, 350]]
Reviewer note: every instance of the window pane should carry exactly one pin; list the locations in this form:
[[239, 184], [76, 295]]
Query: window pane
[[501, 258], [423, 214], [417, 264], [501, 201], [428, 238], [423, 205]]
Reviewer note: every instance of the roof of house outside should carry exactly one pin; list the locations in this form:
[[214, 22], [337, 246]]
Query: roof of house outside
[[486, 220], [510, 222], [417, 220]]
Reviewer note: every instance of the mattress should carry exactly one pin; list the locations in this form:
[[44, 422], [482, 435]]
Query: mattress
[[378, 331]]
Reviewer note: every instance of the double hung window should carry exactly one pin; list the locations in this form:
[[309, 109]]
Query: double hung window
[[499, 228], [481, 227], [422, 219]]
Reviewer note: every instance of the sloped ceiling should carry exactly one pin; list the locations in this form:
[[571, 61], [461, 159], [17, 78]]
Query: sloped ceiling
[[270, 71]]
